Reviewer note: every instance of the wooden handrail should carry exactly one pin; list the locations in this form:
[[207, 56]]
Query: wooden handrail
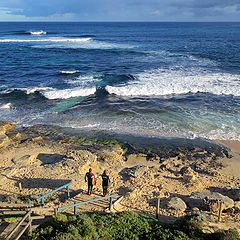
[[27, 215], [74, 205], [25, 228], [41, 198]]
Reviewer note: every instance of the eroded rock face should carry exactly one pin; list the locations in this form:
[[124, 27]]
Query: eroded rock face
[[233, 193], [8, 135], [176, 204], [197, 199], [189, 175], [79, 160], [237, 205], [6, 128], [203, 216]]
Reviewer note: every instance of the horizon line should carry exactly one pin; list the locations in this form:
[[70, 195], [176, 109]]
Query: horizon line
[[3, 21]]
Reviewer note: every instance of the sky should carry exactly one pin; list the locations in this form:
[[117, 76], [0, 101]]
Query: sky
[[120, 10]]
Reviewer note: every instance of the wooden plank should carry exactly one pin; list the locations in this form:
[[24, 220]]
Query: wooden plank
[[37, 217], [18, 225], [12, 212], [13, 205], [7, 229], [22, 232], [86, 202]]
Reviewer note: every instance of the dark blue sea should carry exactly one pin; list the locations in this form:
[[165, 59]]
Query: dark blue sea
[[154, 79]]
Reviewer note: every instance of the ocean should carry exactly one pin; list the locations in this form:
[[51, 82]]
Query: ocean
[[148, 79]]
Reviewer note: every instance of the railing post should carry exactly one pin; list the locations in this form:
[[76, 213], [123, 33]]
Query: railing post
[[30, 225], [110, 203], [220, 212], [158, 208], [75, 210], [68, 192], [55, 212], [20, 186], [42, 199]]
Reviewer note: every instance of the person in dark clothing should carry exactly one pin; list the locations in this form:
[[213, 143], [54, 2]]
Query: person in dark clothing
[[105, 182], [90, 179]]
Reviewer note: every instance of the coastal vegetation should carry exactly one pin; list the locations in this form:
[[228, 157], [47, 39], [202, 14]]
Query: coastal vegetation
[[125, 225]]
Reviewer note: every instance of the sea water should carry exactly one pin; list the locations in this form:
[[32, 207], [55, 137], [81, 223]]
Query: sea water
[[154, 79]]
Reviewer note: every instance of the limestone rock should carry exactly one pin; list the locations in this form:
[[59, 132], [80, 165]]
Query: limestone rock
[[176, 204], [4, 141], [38, 139], [24, 160], [79, 160], [233, 193], [203, 216], [189, 174], [6, 128], [237, 205], [197, 200]]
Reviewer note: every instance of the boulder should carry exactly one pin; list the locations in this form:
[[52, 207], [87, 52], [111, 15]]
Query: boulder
[[237, 205], [176, 204], [79, 161], [6, 128], [233, 193], [24, 160], [203, 216], [198, 199], [189, 175], [4, 141]]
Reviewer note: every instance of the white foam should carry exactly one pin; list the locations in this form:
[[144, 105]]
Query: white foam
[[68, 93], [6, 106], [54, 40], [65, 42], [28, 90], [41, 32], [168, 82], [69, 72], [83, 80], [52, 93]]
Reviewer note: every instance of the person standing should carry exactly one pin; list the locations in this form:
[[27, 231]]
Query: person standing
[[90, 178], [105, 182]]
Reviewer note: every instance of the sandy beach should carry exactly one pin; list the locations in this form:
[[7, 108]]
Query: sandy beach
[[42, 163]]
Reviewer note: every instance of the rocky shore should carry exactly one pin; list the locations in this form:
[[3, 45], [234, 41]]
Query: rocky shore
[[189, 176]]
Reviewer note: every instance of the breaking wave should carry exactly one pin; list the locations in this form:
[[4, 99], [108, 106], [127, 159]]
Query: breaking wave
[[68, 93], [6, 106], [69, 72], [54, 40], [51, 93], [41, 32], [171, 82]]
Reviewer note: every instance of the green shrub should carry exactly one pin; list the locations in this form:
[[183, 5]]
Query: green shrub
[[230, 234], [124, 226]]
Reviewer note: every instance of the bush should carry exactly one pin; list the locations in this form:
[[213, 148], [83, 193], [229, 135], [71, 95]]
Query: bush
[[230, 234], [123, 226]]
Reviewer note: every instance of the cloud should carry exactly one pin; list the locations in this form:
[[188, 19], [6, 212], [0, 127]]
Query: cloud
[[205, 3], [122, 10]]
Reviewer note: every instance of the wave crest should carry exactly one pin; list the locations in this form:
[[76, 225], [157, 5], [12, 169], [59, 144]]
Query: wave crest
[[41, 32], [68, 93], [172, 82], [69, 72], [54, 40]]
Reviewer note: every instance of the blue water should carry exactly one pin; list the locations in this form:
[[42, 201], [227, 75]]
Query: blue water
[[155, 79]]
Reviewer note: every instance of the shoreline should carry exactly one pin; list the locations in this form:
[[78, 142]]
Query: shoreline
[[141, 169]]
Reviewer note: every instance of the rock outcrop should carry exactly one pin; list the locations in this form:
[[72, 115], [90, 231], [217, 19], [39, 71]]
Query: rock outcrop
[[176, 204], [197, 199]]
